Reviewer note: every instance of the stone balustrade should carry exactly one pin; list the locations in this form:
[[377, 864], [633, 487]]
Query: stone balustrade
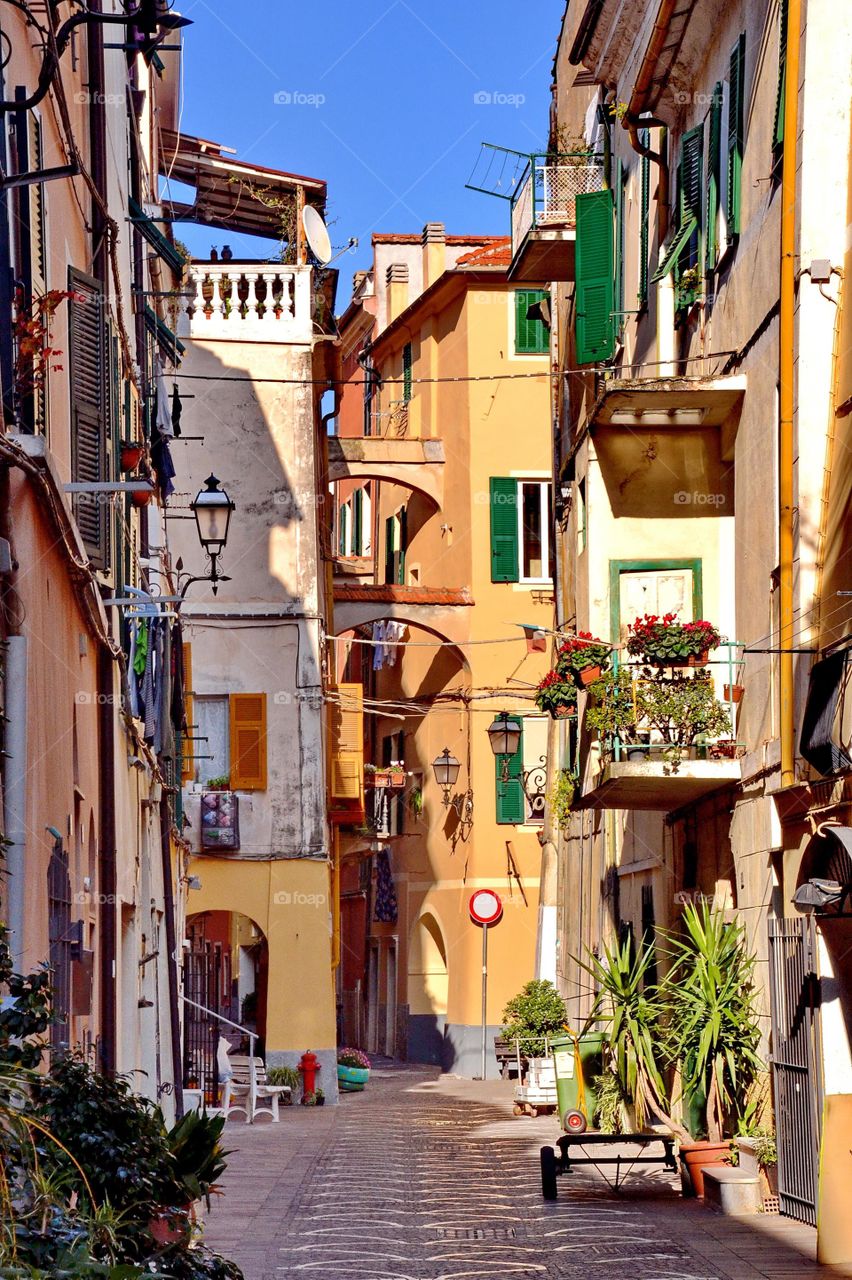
[[248, 302]]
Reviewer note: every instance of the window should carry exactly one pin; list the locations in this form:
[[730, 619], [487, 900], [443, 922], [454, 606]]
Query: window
[[60, 944], [595, 277], [521, 521], [343, 530], [232, 734], [357, 522], [736, 135], [396, 544], [89, 389], [656, 587], [532, 337], [406, 372], [714, 185], [511, 801], [684, 245], [369, 394], [644, 209]]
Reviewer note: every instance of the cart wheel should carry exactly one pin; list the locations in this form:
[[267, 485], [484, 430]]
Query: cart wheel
[[532, 1112], [574, 1122], [548, 1173], [517, 1109]]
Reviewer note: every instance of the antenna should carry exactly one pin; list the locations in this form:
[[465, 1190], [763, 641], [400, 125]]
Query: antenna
[[316, 234]]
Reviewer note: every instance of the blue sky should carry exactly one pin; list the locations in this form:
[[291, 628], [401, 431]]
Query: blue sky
[[385, 103]]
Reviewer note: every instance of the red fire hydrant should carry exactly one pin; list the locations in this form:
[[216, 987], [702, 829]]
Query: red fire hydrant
[[309, 1065]]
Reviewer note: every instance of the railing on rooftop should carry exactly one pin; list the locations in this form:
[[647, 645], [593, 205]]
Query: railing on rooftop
[[547, 189], [248, 300]]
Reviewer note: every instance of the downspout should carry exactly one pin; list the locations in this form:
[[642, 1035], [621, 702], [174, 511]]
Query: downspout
[[15, 790], [171, 959], [786, 363], [107, 887]]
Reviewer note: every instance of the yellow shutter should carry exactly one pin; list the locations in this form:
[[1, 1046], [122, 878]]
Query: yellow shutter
[[187, 773], [346, 738], [248, 741]]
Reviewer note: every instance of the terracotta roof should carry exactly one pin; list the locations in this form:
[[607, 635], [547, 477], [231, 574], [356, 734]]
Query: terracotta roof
[[401, 237], [390, 593], [498, 254]]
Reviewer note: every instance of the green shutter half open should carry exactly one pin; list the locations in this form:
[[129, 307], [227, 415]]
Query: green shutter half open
[[675, 247], [531, 337], [691, 164], [778, 132], [644, 208], [736, 98], [595, 275], [714, 163], [510, 794], [503, 494]]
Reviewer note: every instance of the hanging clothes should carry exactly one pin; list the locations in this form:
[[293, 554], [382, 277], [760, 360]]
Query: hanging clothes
[[132, 678], [162, 415], [177, 410], [149, 685], [178, 707], [394, 634], [164, 738], [378, 646], [161, 457]]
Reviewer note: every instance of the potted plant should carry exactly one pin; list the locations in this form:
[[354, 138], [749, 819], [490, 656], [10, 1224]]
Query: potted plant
[[556, 695], [682, 711], [319, 1098], [220, 783], [288, 1076], [713, 1032], [396, 775], [534, 1014], [665, 642], [562, 797], [584, 658], [353, 1070], [734, 692], [132, 453], [612, 710]]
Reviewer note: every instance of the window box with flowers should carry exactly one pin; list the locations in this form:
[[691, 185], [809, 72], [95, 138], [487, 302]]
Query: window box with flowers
[[665, 642], [393, 776], [557, 695], [583, 658]]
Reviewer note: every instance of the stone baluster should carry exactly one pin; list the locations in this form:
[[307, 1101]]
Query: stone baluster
[[252, 298], [196, 306], [286, 295], [268, 278], [218, 303]]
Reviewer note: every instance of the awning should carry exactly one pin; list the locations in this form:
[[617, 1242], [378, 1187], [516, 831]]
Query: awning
[[818, 744], [171, 344], [152, 233]]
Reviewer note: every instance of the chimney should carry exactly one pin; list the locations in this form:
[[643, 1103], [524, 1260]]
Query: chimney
[[434, 252], [397, 290]]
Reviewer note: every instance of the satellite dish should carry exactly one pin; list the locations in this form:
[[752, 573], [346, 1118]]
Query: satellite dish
[[316, 234]]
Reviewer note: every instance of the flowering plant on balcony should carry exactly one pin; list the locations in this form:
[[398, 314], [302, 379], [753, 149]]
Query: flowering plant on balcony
[[556, 695], [665, 642], [671, 713], [583, 657]]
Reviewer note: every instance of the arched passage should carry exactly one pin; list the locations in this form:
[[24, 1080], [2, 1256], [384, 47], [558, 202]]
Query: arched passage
[[428, 986]]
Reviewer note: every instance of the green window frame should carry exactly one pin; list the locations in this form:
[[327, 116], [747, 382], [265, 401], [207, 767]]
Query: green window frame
[[510, 808], [505, 552], [714, 178], [778, 129], [618, 567], [342, 523], [644, 213], [595, 277], [736, 136], [407, 361], [532, 337]]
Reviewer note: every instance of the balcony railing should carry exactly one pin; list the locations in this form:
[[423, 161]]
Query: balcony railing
[[248, 301], [546, 193]]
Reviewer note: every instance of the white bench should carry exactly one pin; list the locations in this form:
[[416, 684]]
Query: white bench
[[734, 1192], [247, 1089]]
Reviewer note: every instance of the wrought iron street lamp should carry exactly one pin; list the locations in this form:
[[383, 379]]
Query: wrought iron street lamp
[[504, 734], [212, 509], [446, 769]]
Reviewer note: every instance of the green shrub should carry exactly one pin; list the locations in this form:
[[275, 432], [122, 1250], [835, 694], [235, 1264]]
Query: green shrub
[[536, 1012]]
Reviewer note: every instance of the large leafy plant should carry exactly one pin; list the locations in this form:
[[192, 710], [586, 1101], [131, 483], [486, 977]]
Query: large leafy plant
[[663, 640], [534, 1014]]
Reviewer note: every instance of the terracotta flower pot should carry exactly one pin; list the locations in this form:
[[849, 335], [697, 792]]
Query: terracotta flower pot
[[696, 1156], [564, 711], [699, 659], [142, 498], [589, 675], [131, 455], [734, 692]]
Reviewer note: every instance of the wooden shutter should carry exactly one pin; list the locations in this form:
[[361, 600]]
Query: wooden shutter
[[346, 742], [248, 741], [187, 772], [38, 247], [357, 522], [691, 165], [736, 99], [778, 131], [714, 161], [531, 336], [390, 548], [503, 493], [510, 794], [618, 298], [595, 328], [644, 209], [403, 546], [406, 371], [89, 386]]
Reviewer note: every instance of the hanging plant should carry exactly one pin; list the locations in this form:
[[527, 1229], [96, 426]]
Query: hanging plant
[[584, 658], [561, 798], [556, 695]]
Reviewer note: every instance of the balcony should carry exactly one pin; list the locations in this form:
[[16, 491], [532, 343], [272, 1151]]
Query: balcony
[[665, 446], [248, 302], [544, 217], [653, 784], [416, 464]]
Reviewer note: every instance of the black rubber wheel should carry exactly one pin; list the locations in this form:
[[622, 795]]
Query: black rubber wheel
[[574, 1122], [548, 1173]]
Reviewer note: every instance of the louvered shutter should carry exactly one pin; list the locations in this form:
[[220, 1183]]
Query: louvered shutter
[[38, 248], [503, 493], [510, 792], [778, 131], [691, 164], [357, 522], [403, 546], [187, 772], [390, 548], [531, 336], [644, 209], [406, 372], [595, 271], [714, 160], [248, 741], [736, 97], [89, 385], [346, 741]]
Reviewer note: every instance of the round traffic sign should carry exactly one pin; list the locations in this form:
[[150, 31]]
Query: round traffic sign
[[485, 907]]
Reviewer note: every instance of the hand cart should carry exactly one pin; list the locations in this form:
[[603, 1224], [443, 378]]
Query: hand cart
[[553, 1165]]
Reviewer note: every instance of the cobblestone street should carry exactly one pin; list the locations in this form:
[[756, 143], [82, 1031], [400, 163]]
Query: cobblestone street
[[424, 1177]]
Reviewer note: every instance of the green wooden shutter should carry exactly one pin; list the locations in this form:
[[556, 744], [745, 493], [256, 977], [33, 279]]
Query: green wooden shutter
[[510, 794], [89, 387], [389, 548], [531, 336], [406, 372], [504, 529], [357, 522], [618, 307], [341, 531], [403, 546], [778, 132], [736, 100], [595, 273], [691, 165], [714, 163], [644, 208]]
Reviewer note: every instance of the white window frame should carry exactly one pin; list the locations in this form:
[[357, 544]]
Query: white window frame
[[545, 488]]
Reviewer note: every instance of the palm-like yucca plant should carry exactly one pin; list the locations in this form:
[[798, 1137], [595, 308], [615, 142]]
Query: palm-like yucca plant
[[632, 1013], [713, 1033]]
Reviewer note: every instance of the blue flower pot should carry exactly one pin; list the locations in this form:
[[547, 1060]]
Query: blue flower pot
[[352, 1079]]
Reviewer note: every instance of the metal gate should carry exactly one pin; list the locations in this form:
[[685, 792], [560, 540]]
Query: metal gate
[[794, 993], [59, 943], [201, 985]]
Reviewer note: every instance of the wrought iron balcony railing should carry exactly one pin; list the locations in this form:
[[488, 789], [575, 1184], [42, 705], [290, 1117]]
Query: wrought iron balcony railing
[[547, 190]]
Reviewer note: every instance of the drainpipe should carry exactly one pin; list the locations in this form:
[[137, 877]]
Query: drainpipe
[[107, 915], [171, 947], [15, 790], [665, 287], [786, 360]]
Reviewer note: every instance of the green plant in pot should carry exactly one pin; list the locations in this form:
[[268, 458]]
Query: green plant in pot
[[681, 710], [666, 642], [289, 1076], [534, 1014], [557, 695], [583, 658], [353, 1070], [561, 797], [713, 1033], [611, 712]]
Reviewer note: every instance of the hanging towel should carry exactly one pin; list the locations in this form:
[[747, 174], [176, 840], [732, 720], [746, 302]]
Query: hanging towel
[[132, 679], [378, 645], [177, 410], [149, 686], [140, 657], [394, 634], [163, 417], [161, 457]]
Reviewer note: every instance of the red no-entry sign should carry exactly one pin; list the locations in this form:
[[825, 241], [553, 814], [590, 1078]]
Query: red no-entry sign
[[485, 907]]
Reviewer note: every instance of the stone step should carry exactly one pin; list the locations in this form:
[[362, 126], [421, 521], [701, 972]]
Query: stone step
[[734, 1192]]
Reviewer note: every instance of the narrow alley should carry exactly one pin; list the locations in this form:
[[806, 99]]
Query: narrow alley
[[428, 1177]]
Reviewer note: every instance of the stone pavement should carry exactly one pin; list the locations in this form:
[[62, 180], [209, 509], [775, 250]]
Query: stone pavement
[[428, 1177]]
